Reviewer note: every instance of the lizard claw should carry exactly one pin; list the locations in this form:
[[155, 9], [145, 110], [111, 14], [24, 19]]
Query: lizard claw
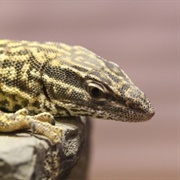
[[45, 117], [23, 112], [52, 132], [32, 127]]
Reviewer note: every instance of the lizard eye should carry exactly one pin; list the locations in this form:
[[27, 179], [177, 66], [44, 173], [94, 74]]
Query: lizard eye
[[96, 91]]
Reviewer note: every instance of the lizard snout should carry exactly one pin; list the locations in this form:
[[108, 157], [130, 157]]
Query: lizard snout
[[139, 103]]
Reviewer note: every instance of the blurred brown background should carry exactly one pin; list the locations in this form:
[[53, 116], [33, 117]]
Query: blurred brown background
[[142, 37]]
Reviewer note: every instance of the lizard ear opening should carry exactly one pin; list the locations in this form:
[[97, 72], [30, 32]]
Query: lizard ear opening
[[45, 91]]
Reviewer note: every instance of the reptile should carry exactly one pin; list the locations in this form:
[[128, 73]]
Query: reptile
[[40, 82]]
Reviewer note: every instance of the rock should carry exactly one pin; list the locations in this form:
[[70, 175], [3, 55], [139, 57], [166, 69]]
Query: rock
[[79, 171], [27, 157]]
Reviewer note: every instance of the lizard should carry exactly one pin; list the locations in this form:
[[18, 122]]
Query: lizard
[[43, 81]]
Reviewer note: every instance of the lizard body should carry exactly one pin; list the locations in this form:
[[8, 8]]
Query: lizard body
[[57, 80]]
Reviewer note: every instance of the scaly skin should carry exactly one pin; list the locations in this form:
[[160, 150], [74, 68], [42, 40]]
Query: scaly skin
[[63, 81]]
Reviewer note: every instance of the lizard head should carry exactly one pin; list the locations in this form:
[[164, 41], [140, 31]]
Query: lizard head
[[84, 84], [117, 96]]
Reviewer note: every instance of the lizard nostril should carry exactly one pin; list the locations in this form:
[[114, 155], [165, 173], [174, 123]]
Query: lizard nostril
[[133, 105], [145, 107]]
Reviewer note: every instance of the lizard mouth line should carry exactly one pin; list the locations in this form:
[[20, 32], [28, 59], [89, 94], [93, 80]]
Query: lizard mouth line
[[112, 113]]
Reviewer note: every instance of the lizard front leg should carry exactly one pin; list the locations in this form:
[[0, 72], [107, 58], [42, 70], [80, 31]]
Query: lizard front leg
[[41, 124]]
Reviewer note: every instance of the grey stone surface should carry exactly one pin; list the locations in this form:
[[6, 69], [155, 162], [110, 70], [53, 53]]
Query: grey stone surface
[[80, 170], [27, 157]]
